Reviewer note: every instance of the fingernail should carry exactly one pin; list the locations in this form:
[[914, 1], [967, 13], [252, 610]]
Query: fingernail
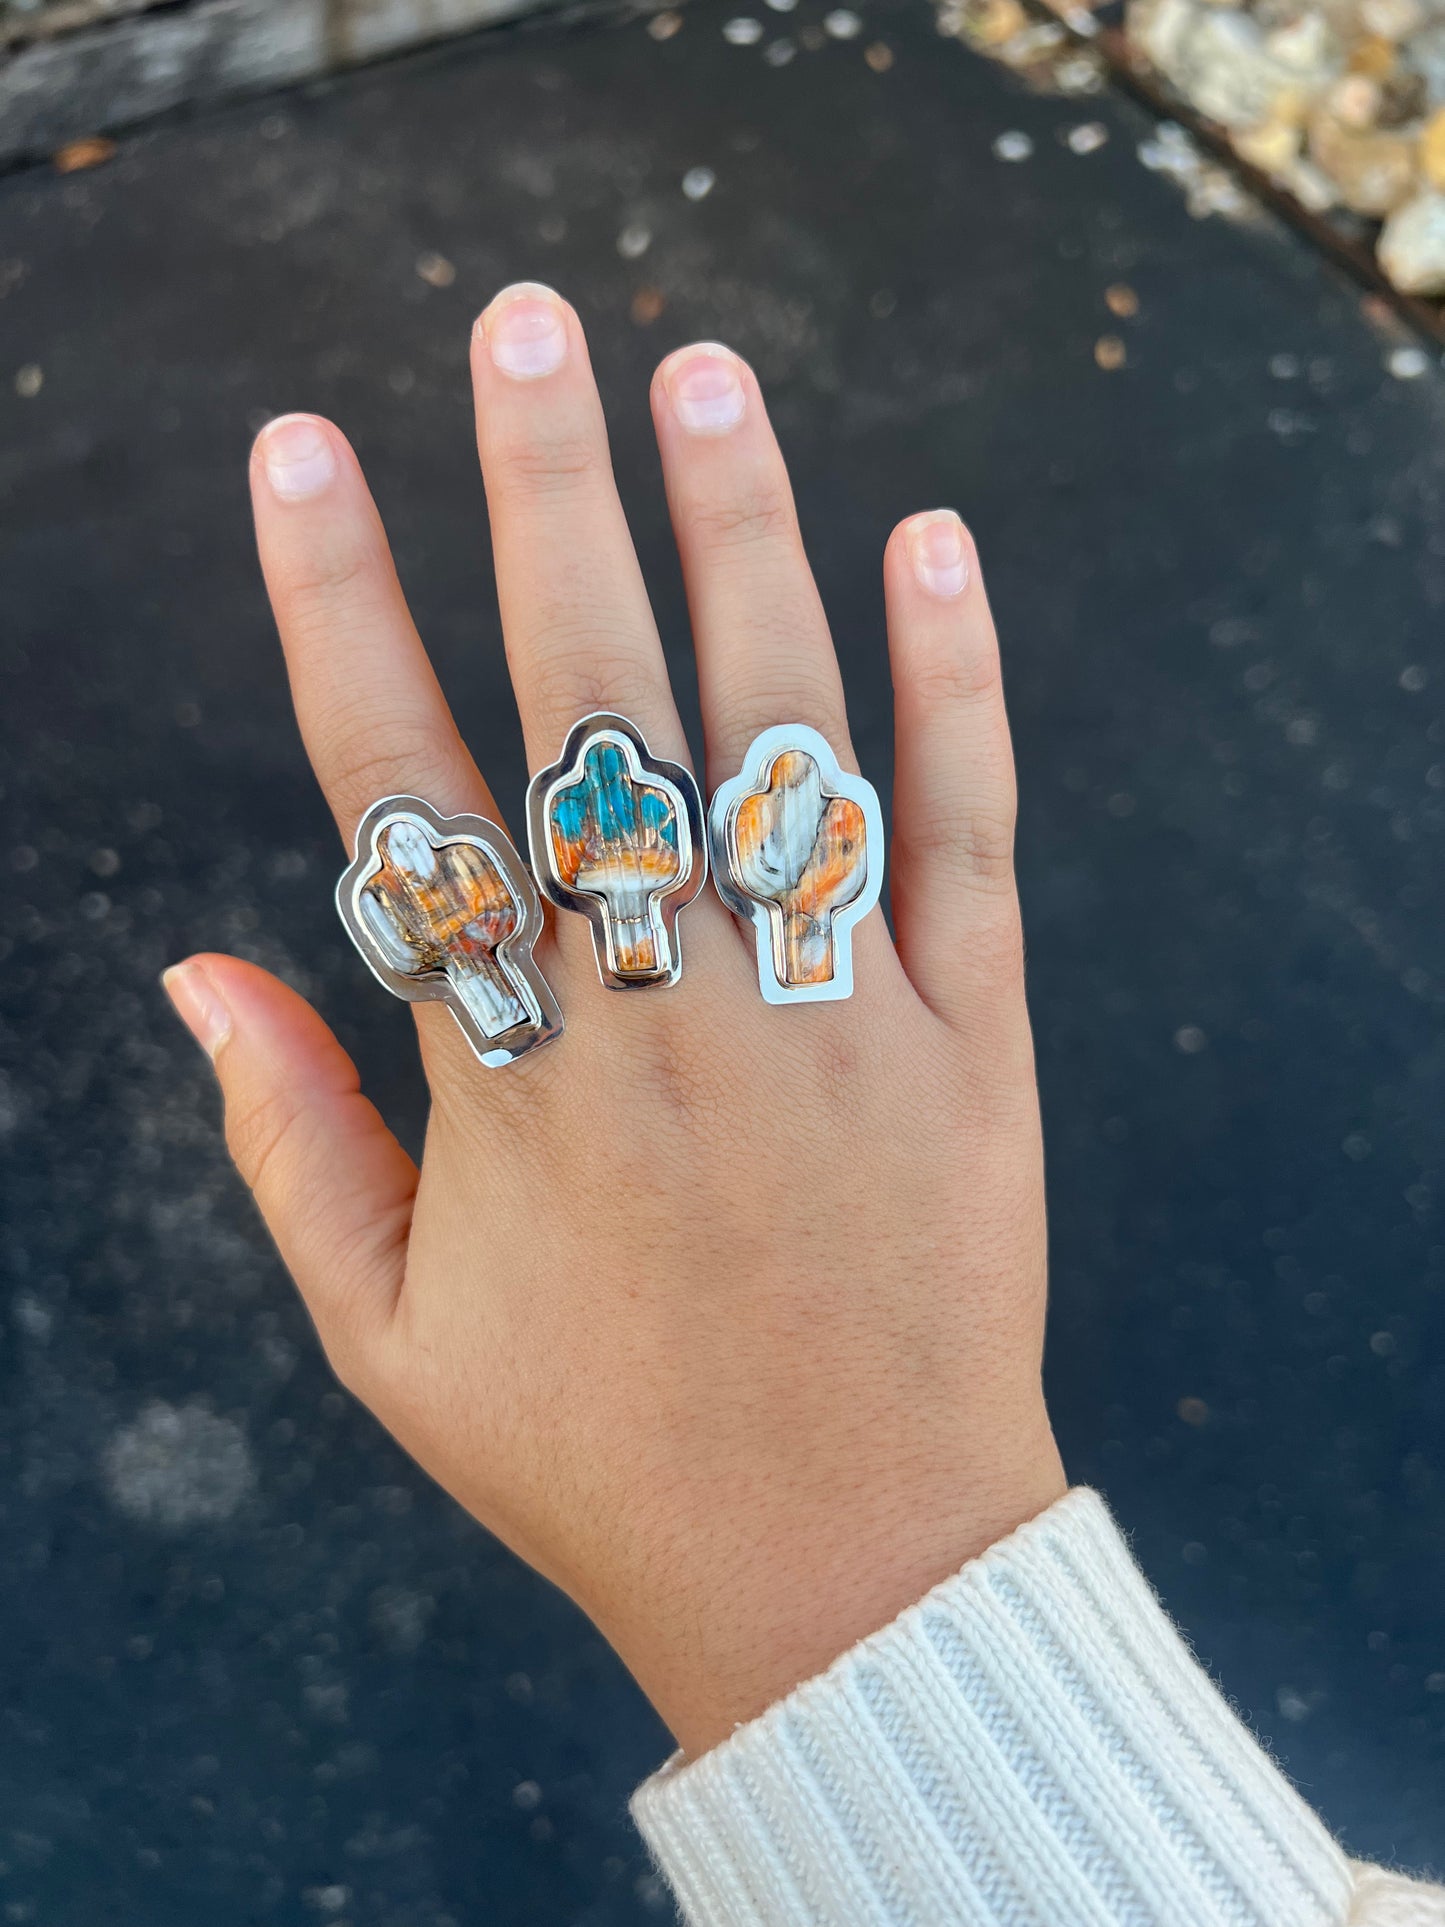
[[198, 1004], [939, 555], [705, 390], [525, 330], [298, 457]]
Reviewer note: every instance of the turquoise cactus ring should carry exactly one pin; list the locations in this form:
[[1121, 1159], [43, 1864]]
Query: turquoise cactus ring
[[617, 834]]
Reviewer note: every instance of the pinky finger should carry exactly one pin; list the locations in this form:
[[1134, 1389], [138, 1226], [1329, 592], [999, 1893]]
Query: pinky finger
[[954, 802], [332, 1183]]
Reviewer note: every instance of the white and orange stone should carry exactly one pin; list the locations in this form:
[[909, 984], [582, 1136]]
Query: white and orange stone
[[798, 849]]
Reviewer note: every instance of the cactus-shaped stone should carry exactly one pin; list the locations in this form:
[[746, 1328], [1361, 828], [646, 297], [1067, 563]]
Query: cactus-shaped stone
[[615, 838], [445, 906], [804, 852]]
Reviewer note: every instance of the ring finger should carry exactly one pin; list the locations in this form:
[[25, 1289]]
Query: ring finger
[[372, 715], [764, 652]]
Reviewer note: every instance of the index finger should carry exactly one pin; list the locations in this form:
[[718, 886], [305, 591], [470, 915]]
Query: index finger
[[372, 714]]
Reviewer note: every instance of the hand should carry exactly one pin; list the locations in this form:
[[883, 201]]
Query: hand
[[726, 1317]]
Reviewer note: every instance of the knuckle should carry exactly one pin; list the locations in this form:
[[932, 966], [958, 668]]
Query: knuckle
[[670, 1066], [262, 1131], [573, 665], [330, 577], [371, 757], [976, 843], [984, 842], [760, 516], [541, 464], [956, 676], [773, 688]]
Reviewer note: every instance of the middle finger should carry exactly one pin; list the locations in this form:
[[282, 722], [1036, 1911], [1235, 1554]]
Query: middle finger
[[575, 615]]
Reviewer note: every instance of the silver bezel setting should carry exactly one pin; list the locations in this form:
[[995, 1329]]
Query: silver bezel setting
[[515, 954], [766, 918], [666, 905]]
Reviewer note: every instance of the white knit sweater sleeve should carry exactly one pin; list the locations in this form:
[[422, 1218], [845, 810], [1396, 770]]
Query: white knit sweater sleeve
[[1032, 1745]]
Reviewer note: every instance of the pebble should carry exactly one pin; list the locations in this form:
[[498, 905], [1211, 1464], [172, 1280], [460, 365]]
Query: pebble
[[436, 270], [1042, 52], [1273, 148], [698, 183], [843, 24], [997, 21], [1407, 364], [1081, 74], [1432, 149], [1411, 247], [1013, 146], [1341, 102], [1087, 138], [1208, 189], [743, 31], [1373, 171], [1224, 63]]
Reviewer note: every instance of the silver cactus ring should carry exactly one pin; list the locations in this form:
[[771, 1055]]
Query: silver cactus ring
[[442, 908], [797, 850], [617, 834]]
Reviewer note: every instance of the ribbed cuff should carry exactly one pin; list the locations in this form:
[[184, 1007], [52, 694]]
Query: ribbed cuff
[[1032, 1742]]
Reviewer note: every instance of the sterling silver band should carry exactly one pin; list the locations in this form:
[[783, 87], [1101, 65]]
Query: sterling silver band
[[617, 834], [797, 849], [442, 908]]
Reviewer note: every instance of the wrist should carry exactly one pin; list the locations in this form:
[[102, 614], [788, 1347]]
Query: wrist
[[751, 1608]]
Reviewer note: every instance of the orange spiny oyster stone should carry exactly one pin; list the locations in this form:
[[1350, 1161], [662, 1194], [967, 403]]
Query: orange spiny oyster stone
[[805, 853], [446, 907]]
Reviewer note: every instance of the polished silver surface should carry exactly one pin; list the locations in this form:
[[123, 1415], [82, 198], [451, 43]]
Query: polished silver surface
[[797, 849], [617, 834], [442, 909]]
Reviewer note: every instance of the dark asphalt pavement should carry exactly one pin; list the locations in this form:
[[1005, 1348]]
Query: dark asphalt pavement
[[254, 1668]]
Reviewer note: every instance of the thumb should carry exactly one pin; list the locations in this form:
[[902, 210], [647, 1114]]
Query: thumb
[[334, 1186]]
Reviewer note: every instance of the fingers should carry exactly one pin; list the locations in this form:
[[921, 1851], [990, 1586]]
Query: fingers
[[372, 715], [332, 1183], [954, 904], [575, 614], [764, 654]]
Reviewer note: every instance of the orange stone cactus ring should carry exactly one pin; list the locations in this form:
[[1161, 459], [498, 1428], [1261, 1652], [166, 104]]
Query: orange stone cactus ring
[[797, 848], [442, 907], [617, 834]]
